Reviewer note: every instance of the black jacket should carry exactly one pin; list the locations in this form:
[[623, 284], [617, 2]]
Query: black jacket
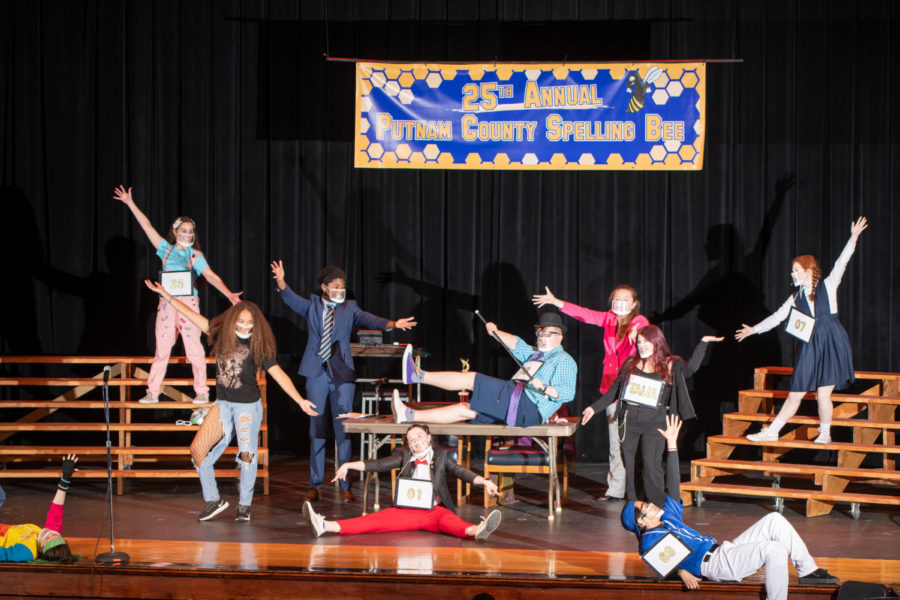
[[676, 397], [440, 465]]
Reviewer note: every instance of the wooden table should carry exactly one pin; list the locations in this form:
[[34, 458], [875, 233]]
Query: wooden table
[[374, 426]]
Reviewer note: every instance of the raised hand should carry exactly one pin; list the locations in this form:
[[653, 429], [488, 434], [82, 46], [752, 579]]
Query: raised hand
[[68, 466], [858, 227], [548, 298], [673, 426], [120, 193], [234, 297], [712, 338], [277, 270]]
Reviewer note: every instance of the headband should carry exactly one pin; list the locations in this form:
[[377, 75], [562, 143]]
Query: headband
[[57, 541]]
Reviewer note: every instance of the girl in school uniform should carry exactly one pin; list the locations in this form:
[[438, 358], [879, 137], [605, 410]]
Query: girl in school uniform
[[825, 361]]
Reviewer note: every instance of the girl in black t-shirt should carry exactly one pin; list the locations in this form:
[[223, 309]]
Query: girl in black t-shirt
[[242, 343]]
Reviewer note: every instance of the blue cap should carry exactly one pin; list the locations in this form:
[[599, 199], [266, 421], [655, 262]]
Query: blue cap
[[628, 520]]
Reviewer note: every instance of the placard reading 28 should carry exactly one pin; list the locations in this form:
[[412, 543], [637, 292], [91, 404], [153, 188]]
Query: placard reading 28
[[625, 116]]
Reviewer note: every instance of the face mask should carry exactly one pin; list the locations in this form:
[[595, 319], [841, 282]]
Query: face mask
[[796, 279], [622, 307], [337, 296], [242, 335], [645, 354], [185, 240]]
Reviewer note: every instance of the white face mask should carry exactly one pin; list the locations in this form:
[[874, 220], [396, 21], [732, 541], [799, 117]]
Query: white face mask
[[645, 352], [795, 277], [622, 307], [241, 334], [185, 240], [337, 296]]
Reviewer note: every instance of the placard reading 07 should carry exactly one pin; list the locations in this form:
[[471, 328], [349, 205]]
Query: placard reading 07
[[177, 283], [800, 325]]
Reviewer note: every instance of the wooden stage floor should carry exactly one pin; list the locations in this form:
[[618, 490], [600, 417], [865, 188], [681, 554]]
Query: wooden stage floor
[[584, 553]]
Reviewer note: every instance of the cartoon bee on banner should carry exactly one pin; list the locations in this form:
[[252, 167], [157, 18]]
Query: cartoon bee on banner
[[639, 87]]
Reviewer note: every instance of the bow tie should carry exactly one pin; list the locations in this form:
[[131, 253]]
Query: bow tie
[[422, 461]]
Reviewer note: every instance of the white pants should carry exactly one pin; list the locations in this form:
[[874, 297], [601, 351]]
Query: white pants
[[769, 542], [615, 479]]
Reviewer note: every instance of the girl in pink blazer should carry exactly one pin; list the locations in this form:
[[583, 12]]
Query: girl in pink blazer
[[620, 325]]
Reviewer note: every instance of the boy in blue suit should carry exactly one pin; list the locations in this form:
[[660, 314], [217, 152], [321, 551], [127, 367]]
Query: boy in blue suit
[[327, 363]]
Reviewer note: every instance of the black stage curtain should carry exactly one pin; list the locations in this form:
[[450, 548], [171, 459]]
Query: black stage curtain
[[228, 112]]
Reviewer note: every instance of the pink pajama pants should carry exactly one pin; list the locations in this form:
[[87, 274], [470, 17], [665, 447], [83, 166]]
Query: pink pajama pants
[[168, 325]]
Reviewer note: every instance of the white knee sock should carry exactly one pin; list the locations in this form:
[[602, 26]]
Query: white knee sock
[[776, 425]]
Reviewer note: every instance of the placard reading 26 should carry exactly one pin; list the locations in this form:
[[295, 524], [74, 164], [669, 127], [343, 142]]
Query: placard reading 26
[[642, 390]]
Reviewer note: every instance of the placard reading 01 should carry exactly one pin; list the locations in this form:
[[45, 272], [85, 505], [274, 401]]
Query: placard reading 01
[[589, 116]]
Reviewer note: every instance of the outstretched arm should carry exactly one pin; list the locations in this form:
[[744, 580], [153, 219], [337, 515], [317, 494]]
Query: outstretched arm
[[287, 385], [124, 196], [508, 339], [195, 318], [216, 282]]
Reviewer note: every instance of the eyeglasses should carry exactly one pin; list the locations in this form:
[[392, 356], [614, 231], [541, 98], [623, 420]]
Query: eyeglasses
[[546, 334]]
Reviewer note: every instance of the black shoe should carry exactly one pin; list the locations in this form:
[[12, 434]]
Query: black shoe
[[818, 577], [213, 507], [609, 499], [243, 513]]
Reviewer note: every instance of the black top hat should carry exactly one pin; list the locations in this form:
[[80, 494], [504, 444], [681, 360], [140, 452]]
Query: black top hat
[[550, 318]]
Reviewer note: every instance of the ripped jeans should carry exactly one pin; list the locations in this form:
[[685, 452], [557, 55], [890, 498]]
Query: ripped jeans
[[244, 420]]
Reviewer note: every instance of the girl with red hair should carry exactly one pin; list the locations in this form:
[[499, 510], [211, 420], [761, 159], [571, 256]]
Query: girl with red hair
[[649, 386], [826, 360]]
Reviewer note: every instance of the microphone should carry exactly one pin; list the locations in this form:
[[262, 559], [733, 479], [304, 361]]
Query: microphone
[[106, 371]]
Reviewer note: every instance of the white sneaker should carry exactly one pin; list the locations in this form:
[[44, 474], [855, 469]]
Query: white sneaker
[[201, 399], [398, 409], [488, 525], [149, 399], [824, 436], [764, 435], [316, 521]]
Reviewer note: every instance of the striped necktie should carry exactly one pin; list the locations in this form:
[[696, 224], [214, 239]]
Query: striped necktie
[[327, 327]]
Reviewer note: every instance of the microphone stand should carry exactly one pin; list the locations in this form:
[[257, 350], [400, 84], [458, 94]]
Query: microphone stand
[[111, 558]]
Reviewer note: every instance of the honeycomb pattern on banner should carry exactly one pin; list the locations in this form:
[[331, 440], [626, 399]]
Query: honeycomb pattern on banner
[[397, 82]]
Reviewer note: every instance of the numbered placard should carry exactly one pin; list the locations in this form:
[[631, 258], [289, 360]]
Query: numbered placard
[[666, 554], [414, 493], [177, 283], [642, 390], [800, 325], [531, 367]]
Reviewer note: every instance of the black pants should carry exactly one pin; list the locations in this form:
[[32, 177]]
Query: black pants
[[639, 425]]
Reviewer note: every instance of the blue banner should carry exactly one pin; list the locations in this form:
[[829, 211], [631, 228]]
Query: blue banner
[[623, 116]]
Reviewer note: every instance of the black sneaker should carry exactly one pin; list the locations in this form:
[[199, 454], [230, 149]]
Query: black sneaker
[[243, 513], [818, 577], [213, 507]]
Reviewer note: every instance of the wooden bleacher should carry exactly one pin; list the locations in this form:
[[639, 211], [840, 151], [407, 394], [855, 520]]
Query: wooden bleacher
[[871, 416], [132, 460]]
